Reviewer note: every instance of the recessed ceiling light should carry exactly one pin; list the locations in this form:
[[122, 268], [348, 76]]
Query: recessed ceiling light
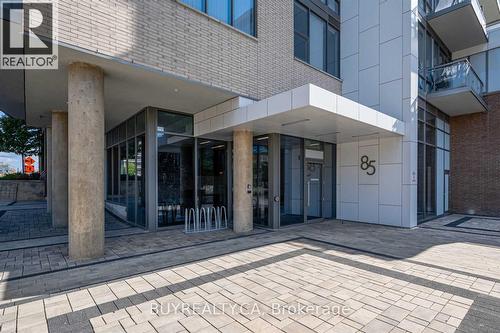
[[176, 90], [329, 133], [362, 135], [295, 122]]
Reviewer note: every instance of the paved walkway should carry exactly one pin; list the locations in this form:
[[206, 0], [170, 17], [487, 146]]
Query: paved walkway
[[30, 220], [324, 277]]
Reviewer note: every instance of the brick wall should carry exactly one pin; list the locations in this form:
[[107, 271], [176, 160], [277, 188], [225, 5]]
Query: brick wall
[[278, 70], [171, 37], [475, 161]]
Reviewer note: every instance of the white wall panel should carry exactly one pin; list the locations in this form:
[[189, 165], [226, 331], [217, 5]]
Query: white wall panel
[[391, 98], [349, 46], [372, 153], [368, 86], [368, 48], [349, 73], [391, 20], [390, 184], [391, 60], [368, 203], [379, 69], [368, 14]]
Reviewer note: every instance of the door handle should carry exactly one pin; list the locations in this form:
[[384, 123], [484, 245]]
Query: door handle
[[308, 194]]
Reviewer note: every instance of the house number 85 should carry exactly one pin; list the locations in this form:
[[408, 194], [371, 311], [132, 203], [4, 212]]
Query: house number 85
[[367, 165]]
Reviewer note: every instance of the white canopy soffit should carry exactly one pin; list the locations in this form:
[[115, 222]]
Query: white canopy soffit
[[308, 111]]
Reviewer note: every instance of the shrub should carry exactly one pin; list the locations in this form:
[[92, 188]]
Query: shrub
[[21, 176]]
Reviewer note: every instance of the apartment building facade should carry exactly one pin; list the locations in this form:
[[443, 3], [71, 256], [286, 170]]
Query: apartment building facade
[[282, 112]]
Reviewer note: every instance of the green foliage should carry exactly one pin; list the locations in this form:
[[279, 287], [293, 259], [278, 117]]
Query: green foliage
[[21, 176], [17, 138], [131, 168]]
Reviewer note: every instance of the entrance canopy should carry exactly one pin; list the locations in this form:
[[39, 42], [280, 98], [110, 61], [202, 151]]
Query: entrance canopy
[[128, 88], [308, 111]]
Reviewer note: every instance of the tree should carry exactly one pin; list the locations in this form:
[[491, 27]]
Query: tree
[[18, 138]]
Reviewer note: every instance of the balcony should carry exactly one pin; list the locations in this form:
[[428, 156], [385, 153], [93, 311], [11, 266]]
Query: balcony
[[459, 23], [455, 88], [491, 10]]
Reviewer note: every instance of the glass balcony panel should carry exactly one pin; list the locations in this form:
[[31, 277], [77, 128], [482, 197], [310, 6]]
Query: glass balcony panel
[[458, 74], [454, 88]]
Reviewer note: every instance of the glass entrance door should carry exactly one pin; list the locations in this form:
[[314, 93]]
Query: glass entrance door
[[314, 181], [261, 181]]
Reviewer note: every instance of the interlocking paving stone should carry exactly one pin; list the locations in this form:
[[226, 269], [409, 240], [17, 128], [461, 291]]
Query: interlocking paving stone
[[391, 280], [28, 223]]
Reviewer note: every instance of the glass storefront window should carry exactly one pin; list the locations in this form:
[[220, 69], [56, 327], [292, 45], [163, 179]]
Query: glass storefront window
[[131, 128], [176, 188], [430, 181], [125, 170], [170, 122], [141, 122], [291, 180], [141, 182], [116, 135], [430, 135], [122, 132], [212, 173], [433, 173], [131, 172], [115, 174], [123, 173], [421, 183], [109, 179]]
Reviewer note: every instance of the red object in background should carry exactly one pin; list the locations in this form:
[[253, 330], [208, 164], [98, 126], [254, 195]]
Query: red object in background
[[29, 168], [28, 165]]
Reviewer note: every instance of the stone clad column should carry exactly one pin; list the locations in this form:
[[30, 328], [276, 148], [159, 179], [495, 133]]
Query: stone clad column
[[48, 167], [86, 161], [59, 172], [242, 181]]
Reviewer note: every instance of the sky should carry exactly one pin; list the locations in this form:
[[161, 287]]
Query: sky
[[14, 160]]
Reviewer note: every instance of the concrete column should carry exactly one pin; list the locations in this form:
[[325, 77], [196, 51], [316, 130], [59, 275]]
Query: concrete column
[[48, 167], [242, 181], [86, 160], [59, 177]]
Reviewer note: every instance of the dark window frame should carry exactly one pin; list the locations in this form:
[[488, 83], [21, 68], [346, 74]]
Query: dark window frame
[[305, 37], [332, 20], [204, 9], [425, 110]]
